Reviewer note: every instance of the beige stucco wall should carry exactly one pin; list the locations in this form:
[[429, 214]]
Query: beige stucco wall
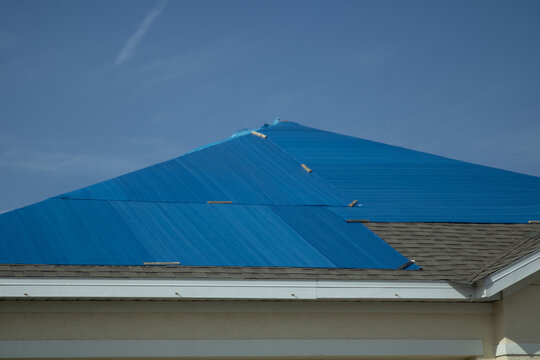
[[517, 317], [246, 320], [243, 326]]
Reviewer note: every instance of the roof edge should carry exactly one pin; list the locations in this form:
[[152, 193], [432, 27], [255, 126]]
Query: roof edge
[[508, 276], [33, 288]]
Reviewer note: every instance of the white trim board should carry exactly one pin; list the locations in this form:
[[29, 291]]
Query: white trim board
[[232, 289], [509, 275], [21, 349]]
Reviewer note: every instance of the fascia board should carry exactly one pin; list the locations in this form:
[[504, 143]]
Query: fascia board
[[509, 275], [232, 289], [410, 290]]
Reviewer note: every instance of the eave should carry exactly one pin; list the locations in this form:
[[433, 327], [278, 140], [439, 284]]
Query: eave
[[507, 279], [13, 288]]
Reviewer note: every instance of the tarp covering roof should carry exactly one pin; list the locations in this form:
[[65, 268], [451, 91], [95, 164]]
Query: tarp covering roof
[[246, 170], [286, 204], [396, 184], [62, 231]]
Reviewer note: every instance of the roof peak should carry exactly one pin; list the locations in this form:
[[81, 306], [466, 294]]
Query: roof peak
[[390, 183]]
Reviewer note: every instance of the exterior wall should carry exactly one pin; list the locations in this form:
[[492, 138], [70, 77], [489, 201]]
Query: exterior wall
[[521, 312], [517, 319], [37, 320]]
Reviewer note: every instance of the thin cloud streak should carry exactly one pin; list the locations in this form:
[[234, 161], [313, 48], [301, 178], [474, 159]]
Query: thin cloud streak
[[134, 41], [54, 157], [68, 162]]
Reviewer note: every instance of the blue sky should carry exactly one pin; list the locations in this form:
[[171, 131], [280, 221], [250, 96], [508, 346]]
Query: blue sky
[[92, 89]]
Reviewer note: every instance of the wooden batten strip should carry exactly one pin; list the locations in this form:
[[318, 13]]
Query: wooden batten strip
[[534, 221], [219, 202], [354, 202], [162, 263], [259, 134], [357, 220], [306, 168], [406, 265]]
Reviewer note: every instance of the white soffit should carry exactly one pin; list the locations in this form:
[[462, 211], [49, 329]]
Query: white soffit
[[232, 289], [237, 348]]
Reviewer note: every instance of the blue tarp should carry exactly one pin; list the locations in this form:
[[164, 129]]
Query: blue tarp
[[396, 184], [246, 169], [62, 231]]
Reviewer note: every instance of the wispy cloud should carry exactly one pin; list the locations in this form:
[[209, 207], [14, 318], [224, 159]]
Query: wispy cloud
[[44, 156], [174, 67], [66, 162], [199, 68], [135, 39]]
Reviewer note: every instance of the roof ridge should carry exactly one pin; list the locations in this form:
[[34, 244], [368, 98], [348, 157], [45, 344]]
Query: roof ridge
[[298, 160], [402, 147]]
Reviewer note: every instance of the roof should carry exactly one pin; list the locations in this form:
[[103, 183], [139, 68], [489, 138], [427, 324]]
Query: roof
[[394, 184], [459, 253], [283, 202]]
